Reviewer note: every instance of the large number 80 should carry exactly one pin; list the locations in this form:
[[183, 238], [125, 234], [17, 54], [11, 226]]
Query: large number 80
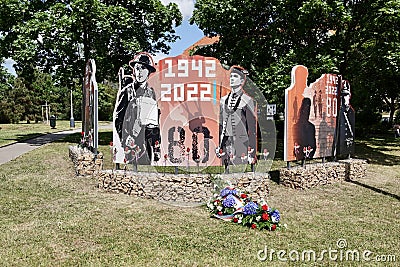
[[181, 146]]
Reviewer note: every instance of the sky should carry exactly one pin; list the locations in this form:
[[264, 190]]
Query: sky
[[189, 34]]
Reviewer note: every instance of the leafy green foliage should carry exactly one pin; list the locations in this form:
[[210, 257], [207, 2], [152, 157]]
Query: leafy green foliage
[[358, 39], [107, 98], [60, 36], [51, 42]]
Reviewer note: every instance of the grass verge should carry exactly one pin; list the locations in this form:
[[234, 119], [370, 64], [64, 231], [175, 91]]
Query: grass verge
[[11, 133], [49, 217]]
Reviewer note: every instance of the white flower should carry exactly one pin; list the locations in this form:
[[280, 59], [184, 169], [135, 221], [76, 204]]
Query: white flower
[[219, 208], [240, 221], [258, 218]]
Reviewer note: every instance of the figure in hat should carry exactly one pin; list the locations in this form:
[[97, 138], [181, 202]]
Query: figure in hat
[[237, 121], [137, 107], [346, 122]]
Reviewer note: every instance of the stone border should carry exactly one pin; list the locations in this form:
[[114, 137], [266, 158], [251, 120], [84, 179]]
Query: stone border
[[85, 162], [199, 188], [355, 169], [177, 188], [169, 187], [323, 173], [180, 188]]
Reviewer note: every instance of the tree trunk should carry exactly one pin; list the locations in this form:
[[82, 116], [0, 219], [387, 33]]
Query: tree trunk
[[392, 106]]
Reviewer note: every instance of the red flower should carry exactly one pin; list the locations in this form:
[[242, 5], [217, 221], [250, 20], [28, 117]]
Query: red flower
[[235, 220], [165, 156], [264, 207], [156, 143], [124, 160], [243, 196], [220, 151], [111, 143], [265, 217], [273, 227], [188, 149], [82, 133], [253, 226], [219, 212]]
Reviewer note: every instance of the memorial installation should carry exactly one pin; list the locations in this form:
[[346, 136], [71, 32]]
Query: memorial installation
[[319, 120], [190, 113], [319, 124]]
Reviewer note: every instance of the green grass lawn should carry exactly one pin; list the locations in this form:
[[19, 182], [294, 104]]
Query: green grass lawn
[[49, 217], [11, 133]]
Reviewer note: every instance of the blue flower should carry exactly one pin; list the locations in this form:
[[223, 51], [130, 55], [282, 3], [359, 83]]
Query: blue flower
[[250, 208], [275, 216], [229, 201], [226, 191]]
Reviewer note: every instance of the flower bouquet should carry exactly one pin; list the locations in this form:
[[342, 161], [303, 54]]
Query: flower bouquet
[[237, 207]]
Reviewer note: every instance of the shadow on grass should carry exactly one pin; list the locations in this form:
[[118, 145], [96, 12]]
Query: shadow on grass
[[379, 150], [383, 192], [23, 137], [71, 138], [104, 138]]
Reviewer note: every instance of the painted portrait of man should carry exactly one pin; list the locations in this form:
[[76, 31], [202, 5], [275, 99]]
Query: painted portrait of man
[[346, 122], [137, 114], [237, 122]]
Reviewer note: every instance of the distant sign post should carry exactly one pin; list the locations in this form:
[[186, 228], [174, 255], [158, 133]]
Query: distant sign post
[[71, 120], [271, 111]]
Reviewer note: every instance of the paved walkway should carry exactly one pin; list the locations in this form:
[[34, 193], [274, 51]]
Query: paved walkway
[[12, 151]]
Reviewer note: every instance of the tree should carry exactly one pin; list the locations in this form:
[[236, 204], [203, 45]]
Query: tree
[[52, 40], [6, 85], [374, 58], [358, 39], [60, 36], [18, 103], [107, 98], [269, 38]]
